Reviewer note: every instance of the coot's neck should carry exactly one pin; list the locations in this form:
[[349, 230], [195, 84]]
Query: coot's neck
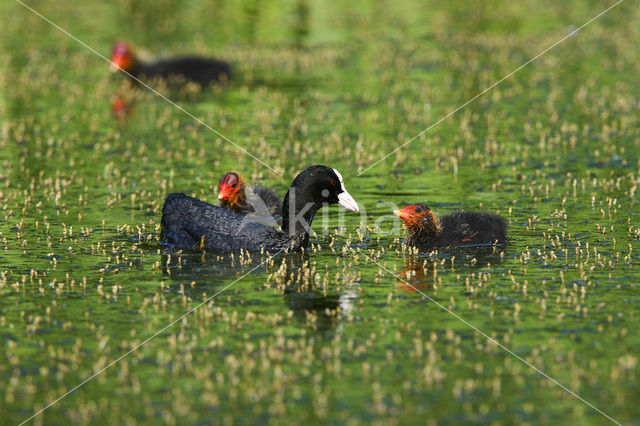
[[423, 237], [239, 202], [241, 199], [426, 232], [136, 68], [298, 210]]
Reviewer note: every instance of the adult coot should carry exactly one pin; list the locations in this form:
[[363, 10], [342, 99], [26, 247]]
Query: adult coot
[[426, 230], [259, 204], [198, 69], [188, 223]]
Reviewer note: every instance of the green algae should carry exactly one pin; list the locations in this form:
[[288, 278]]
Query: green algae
[[338, 334]]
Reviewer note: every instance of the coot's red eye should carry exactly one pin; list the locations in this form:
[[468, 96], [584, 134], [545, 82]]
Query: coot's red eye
[[334, 183]]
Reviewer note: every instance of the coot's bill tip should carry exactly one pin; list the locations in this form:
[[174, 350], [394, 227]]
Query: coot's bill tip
[[346, 200]]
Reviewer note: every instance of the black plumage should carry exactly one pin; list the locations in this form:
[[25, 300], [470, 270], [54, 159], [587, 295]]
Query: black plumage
[[201, 70], [259, 204], [191, 224], [271, 200], [426, 230]]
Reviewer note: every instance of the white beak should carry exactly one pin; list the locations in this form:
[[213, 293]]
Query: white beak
[[219, 196], [346, 200]]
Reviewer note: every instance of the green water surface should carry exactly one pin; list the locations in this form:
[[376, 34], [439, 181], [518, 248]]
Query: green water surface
[[357, 329]]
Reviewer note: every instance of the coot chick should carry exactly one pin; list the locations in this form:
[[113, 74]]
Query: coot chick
[[426, 230], [188, 223], [259, 204], [195, 68]]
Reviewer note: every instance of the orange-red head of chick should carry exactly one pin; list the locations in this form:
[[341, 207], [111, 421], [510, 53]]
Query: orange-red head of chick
[[419, 217], [122, 57], [231, 188]]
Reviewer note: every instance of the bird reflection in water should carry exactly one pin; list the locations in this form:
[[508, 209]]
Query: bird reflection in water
[[122, 106], [423, 271], [414, 275], [315, 305]]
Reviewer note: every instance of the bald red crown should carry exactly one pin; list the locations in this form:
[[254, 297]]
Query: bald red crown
[[122, 57], [229, 186]]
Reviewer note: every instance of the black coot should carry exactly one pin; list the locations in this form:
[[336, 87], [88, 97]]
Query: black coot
[[188, 223], [198, 69], [259, 204], [426, 230]]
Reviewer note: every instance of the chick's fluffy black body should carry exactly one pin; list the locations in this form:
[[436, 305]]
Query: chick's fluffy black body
[[463, 228], [268, 197], [426, 230], [200, 70]]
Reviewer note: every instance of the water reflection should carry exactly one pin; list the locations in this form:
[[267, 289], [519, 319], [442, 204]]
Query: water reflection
[[314, 304], [206, 269], [422, 271], [122, 107], [414, 275]]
